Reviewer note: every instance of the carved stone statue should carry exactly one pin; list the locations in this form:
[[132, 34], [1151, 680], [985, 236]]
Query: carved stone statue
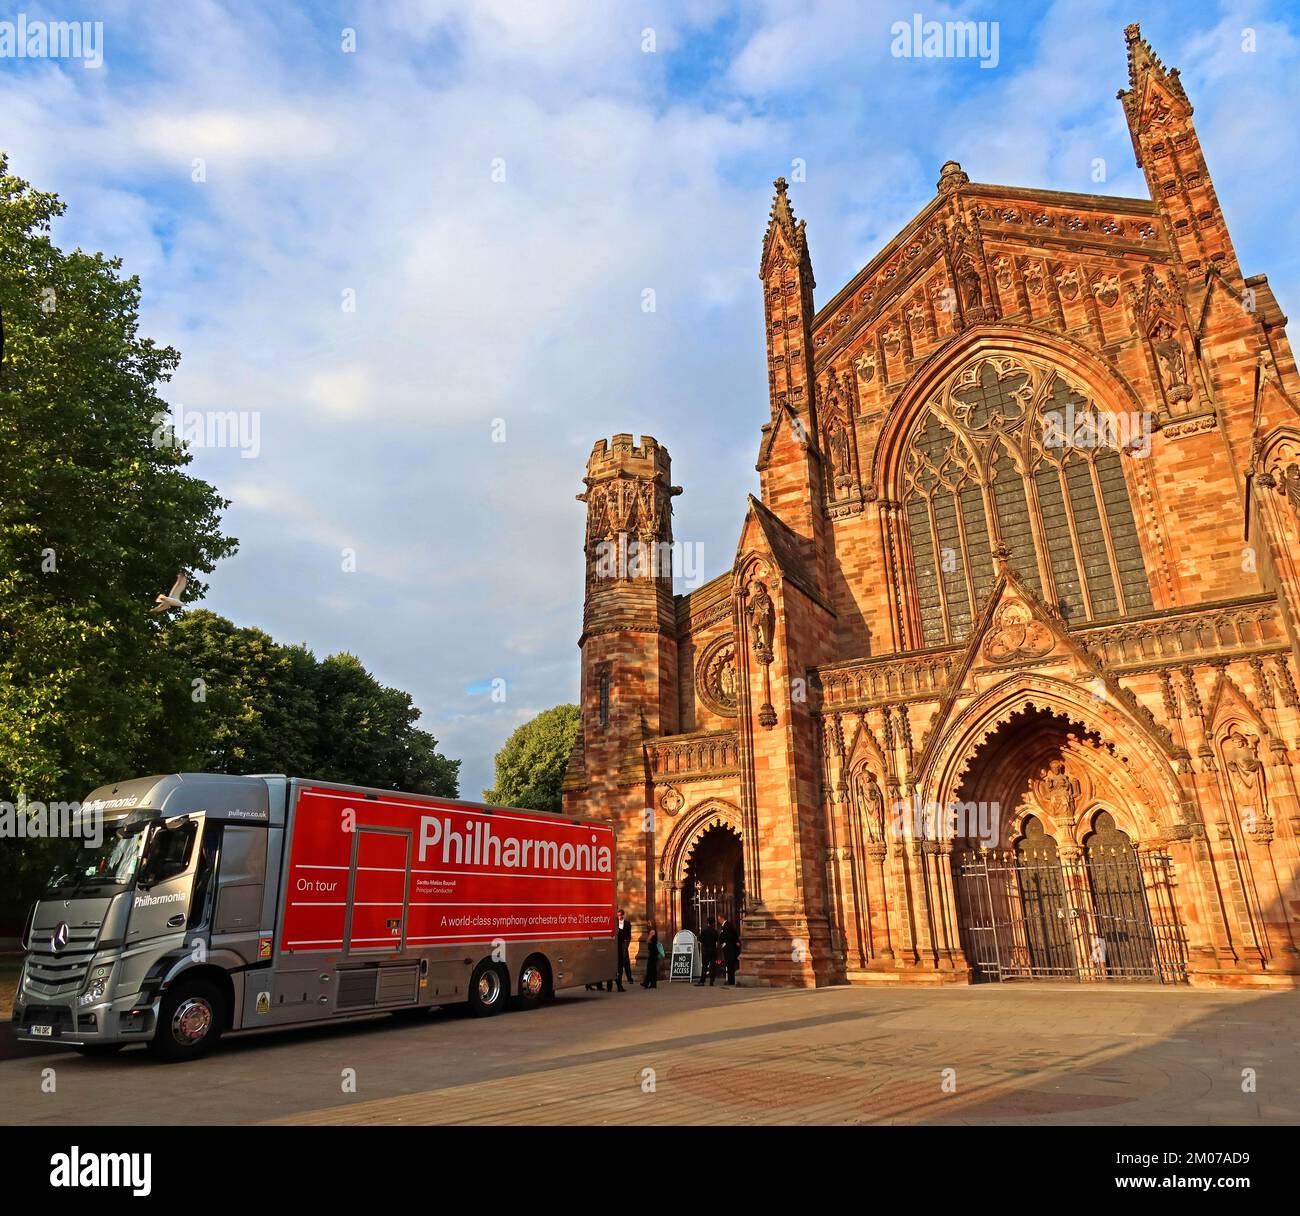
[[762, 619], [1291, 485], [1241, 759], [1241, 755], [718, 679], [870, 802], [1059, 792], [1173, 362], [838, 445]]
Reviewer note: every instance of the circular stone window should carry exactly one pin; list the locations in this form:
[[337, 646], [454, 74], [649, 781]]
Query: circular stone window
[[716, 679]]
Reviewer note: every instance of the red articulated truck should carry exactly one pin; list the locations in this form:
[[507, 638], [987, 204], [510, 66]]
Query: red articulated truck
[[206, 903]]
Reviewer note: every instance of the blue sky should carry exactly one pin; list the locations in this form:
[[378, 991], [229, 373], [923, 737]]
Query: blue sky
[[482, 302]]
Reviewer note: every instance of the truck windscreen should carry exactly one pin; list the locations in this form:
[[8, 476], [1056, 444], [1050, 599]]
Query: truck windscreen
[[113, 863]]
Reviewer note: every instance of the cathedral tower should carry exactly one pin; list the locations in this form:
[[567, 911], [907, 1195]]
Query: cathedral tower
[[629, 643]]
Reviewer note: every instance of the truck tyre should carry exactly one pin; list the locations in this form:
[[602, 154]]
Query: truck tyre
[[534, 982], [190, 1021], [489, 989]]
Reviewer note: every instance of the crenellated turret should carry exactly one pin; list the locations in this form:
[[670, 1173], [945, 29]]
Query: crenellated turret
[[629, 536]]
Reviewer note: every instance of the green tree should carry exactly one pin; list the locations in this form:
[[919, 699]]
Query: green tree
[[367, 734], [235, 701], [96, 517], [530, 766], [238, 702]]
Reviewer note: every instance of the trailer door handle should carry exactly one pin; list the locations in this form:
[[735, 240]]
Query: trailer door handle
[[176, 921]]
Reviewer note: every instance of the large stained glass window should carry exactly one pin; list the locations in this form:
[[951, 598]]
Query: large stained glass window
[[1010, 454]]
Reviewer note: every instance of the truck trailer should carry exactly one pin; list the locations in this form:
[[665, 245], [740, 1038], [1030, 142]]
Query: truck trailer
[[218, 903]]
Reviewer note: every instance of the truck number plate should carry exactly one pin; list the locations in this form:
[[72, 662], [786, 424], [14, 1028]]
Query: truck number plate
[[43, 1032]]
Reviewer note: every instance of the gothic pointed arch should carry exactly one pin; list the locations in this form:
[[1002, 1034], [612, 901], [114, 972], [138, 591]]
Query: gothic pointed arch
[[1229, 704], [1014, 454], [1135, 764], [1282, 442], [690, 829], [1105, 384], [1277, 465]]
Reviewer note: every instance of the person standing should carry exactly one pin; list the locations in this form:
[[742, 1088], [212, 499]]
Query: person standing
[[624, 948], [709, 949], [729, 938], [653, 953]]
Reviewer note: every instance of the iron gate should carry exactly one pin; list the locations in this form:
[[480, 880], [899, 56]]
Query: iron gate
[[1093, 917], [712, 901]]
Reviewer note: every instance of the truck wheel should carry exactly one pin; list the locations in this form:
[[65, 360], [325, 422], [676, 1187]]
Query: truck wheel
[[534, 983], [190, 1021], [488, 990]]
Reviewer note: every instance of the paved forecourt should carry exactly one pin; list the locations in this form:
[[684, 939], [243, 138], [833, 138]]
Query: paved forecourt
[[1015, 1054]]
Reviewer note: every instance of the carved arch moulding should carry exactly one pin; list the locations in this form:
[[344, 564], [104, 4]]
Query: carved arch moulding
[[689, 830], [1139, 763]]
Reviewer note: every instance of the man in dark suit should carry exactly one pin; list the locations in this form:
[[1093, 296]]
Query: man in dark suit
[[709, 948], [729, 939], [624, 949]]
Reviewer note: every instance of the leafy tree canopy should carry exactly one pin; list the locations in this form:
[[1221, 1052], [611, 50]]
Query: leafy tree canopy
[[530, 767], [95, 517], [240, 703]]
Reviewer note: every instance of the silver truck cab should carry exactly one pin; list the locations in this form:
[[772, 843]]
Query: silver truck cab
[[160, 923]]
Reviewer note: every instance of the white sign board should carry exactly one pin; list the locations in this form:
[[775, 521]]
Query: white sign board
[[686, 957]]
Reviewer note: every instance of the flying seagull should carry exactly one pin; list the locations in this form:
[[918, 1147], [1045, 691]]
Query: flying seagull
[[173, 598]]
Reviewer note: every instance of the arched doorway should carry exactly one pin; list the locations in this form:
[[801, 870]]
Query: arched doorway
[[715, 878], [1049, 885]]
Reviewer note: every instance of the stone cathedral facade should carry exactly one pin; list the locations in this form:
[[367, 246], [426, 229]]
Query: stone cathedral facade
[[1002, 681]]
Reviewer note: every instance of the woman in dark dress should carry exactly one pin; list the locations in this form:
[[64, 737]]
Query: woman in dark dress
[[651, 959]]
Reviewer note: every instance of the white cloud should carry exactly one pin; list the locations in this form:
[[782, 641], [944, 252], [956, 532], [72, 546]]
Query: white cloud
[[347, 389], [235, 136], [521, 299]]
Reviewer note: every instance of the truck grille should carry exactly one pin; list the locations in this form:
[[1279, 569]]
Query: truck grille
[[50, 974]]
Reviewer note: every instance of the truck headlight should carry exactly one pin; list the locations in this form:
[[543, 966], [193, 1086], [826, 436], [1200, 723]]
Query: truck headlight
[[96, 984]]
